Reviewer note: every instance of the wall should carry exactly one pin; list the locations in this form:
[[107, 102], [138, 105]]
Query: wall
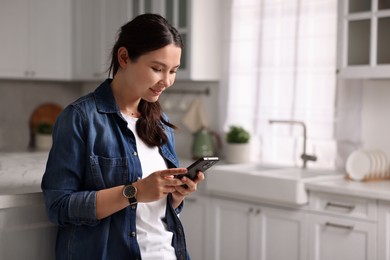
[[18, 99], [376, 115], [363, 117]]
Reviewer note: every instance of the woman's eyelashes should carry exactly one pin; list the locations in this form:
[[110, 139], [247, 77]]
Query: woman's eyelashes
[[161, 70], [156, 69]]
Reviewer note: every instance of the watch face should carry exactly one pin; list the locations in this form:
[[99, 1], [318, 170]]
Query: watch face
[[129, 191]]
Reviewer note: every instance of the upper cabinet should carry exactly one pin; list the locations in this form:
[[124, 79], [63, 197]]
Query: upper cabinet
[[95, 25], [198, 22], [35, 39], [364, 37], [72, 40]]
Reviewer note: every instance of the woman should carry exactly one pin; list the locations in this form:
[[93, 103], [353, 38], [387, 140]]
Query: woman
[[109, 182]]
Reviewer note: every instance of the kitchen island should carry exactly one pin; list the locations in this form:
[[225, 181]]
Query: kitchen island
[[25, 231]]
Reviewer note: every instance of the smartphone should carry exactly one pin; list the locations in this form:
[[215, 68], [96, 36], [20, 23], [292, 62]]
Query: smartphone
[[202, 164]]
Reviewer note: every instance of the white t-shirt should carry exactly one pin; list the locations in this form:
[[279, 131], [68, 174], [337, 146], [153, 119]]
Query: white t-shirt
[[155, 241]]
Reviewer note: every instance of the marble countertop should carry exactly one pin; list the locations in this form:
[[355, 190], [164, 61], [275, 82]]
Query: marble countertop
[[21, 172], [367, 189]]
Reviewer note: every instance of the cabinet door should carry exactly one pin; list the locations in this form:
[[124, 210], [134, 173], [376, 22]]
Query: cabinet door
[[384, 231], [36, 40], [14, 15], [193, 218], [364, 39], [282, 236], [229, 235], [50, 39], [87, 28], [96, 24], [26, 232], [333, 238]]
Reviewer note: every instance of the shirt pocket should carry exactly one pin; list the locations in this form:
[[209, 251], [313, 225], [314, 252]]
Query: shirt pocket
[[109, 172]]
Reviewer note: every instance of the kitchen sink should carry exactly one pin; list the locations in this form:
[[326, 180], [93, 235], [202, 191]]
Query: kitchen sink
[[265, 182]]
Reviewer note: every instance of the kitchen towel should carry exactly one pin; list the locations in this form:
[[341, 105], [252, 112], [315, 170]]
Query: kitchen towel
[[196, 117]]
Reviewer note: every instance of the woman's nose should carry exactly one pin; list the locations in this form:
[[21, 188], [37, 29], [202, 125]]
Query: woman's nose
[[167, 80]]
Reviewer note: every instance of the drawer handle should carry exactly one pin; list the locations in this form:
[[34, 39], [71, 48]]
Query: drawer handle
[[336, 205], [329, 224]]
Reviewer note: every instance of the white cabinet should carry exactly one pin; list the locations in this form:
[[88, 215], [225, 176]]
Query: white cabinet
[[36, 39], [202, 40], [193, 218], [342, 228], [25, 231], [364, 37], [335, 238], [198, 22], [384, 230], [95, 26], [240, 230]]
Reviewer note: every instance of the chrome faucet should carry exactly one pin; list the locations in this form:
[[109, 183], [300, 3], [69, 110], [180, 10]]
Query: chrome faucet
[[305, 157]]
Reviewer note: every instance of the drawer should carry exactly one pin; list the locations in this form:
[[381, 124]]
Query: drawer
[[340, 205]]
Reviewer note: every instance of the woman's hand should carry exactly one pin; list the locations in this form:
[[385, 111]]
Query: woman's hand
[[181, 192], [159, 184]]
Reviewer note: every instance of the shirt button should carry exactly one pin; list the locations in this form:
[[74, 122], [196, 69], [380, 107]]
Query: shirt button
[[132, 234], [135, 153]]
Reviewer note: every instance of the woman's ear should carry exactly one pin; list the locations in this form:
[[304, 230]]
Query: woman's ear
[[123, 57]]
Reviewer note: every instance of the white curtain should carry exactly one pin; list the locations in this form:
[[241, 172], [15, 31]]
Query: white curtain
[[280, 63]]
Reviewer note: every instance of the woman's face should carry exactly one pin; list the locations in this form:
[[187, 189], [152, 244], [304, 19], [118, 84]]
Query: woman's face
[[153, 72]]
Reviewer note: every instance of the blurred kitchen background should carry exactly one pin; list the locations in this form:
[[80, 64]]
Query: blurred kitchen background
[[323, 63], [56, 62]]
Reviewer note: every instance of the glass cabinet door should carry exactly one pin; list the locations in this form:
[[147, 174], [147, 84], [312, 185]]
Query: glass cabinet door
[[383, 47], [356, 6], [383, 4], [359, 42]]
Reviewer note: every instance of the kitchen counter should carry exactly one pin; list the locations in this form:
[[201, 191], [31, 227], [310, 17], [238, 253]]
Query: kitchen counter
[[343, 186], [21, 173], [23, 219]]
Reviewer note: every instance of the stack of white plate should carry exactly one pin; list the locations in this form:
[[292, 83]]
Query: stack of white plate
[[367, 164]]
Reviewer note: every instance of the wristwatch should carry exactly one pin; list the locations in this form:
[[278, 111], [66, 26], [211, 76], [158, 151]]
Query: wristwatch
[[130, 191]]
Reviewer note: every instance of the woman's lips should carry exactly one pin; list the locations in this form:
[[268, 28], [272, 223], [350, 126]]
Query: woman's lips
[[156, 92]]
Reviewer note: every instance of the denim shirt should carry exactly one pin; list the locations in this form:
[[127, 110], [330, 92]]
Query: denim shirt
[[92, 150]]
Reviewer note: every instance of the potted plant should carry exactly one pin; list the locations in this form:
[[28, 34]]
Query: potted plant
[[237, 145], [43, 138]]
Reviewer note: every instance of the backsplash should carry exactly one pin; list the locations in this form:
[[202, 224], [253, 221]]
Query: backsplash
[[365, 101], [363, 117], [176, 105], [18, 99]]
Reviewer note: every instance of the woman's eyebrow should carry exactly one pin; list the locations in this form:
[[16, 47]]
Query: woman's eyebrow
[[164, 65]]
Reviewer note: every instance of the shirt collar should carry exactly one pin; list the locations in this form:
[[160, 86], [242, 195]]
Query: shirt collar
[[105, 101]]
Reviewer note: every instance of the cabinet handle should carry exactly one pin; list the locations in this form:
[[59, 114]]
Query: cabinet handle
[[255, 212], [329, 224], [337, 205]]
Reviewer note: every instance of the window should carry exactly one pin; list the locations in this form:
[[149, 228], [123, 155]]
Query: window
[[282, 65]]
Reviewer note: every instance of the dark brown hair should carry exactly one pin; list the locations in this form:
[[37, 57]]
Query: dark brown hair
[[143, 34]]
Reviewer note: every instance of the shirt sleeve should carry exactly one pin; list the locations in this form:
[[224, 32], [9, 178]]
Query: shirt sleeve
[[67, 200]]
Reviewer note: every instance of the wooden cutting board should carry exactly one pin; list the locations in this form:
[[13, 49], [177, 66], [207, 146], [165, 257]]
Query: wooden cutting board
[[45, 113]]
